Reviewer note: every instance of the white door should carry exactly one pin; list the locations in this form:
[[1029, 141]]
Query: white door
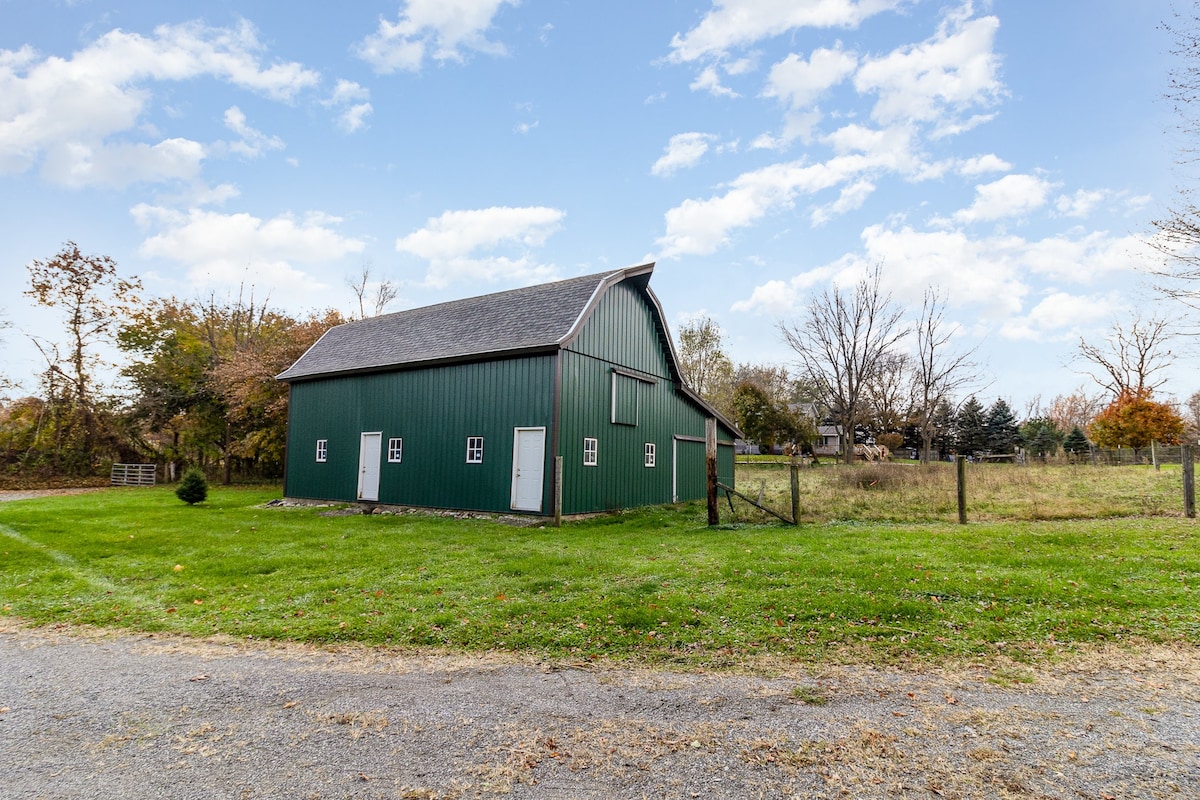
[[368, 466], [529, 466]]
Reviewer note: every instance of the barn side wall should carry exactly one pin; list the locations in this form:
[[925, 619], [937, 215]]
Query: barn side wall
[[433, 410]]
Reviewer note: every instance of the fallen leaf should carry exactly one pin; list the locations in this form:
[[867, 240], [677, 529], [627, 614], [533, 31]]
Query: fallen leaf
[[198, 678], [179, 567]]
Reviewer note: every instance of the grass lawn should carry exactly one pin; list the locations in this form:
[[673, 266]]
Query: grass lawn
[[652, 585]]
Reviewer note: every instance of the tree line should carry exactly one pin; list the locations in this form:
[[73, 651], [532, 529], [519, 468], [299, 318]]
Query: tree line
[[871, 372], [197, 387]]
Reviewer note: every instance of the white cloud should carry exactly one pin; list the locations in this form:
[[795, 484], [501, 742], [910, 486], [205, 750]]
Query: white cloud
[[799, 83], [738, 23], [64, 112], [709, 81], [684, 150], [981, 165], [253, 143], [350, 101], [79, 164], [451, 244], [992, 276], [852, 198], [1061, 316], [221, 250], [939, 79], [702, 226], [438, 29], [1082, 203], [1011, 196]]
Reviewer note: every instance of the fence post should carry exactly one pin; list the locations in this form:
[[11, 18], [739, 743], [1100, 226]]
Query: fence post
[[1153, 455], [961, 465], [710, 465], [795, 485], [1189, 483]]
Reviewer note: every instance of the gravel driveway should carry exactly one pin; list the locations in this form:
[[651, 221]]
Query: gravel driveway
[[95, 714]]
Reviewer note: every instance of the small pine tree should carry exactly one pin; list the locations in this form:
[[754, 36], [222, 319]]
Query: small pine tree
[[193, 488], [1075, 443]]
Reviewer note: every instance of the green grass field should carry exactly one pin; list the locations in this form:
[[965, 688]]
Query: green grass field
[[870, 579]]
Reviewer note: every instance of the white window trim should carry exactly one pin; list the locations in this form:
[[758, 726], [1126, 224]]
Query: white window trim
[[395, 454], [593, 451], [322, 450], [474, 451], [651, 452]]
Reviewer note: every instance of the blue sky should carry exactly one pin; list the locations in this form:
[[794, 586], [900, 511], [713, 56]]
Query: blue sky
[[1010, 153]]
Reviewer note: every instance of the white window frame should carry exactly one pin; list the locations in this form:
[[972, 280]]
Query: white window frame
[[322, 450], [474, 449], [651, 453], [591, 451], [395, 453]]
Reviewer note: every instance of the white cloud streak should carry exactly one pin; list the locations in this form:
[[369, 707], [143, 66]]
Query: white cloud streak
[[441, 30], [487, 244], [64, 112]]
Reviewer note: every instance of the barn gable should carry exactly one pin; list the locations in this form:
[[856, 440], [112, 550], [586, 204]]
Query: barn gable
[[582, 369]]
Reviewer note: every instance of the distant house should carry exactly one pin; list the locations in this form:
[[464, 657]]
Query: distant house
[[829, 441], [465, 405]]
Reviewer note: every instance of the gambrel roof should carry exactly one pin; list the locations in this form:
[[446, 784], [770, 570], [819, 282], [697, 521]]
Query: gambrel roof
[[524, 321], [518, 321]]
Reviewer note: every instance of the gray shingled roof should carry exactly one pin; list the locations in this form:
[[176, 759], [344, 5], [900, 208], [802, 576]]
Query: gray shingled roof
[[517, 320]]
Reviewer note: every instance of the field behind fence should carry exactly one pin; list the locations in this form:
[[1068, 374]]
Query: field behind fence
[[902, 492]]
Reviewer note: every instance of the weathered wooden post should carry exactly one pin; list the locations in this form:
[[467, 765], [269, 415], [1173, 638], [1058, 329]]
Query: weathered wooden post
[[558, 475], [710, 466], [1153, 456], [795, 485], [1189, 483], [961, 465]]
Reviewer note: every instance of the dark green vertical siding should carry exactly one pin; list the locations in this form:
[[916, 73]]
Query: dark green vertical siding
[[434, 410], [623, 332]]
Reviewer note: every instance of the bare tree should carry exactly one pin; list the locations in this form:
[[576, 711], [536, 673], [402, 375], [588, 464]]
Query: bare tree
[[886, 394], [840, 341], [384, 292], [1130, 361], [939, 372], [1178, 234]]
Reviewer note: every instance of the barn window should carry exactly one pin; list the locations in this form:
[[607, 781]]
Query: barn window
[[395, 450], [474, 449], [322, 450], [650, 452], [590, 451], [624, 399]]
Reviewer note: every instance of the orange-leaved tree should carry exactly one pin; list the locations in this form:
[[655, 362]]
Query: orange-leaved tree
[[1134, 420]]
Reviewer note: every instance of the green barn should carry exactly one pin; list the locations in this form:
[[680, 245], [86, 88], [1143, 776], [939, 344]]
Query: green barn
[[464, 405]]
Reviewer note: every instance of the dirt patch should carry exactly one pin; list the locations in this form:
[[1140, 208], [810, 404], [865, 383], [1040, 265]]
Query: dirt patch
[[30, 494], [102, 713]]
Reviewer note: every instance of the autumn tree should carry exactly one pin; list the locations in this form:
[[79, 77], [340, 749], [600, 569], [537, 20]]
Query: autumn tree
[[93, 300], [1135, 421], [939, 371], [840, 341], [1075, 410], [705, 366]]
